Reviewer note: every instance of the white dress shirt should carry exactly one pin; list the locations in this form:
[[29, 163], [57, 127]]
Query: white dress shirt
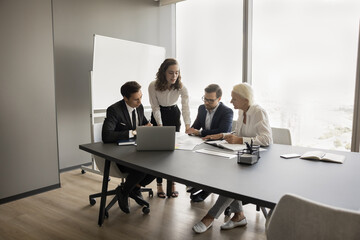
[[209, 117], [169, 98], [257, 126]]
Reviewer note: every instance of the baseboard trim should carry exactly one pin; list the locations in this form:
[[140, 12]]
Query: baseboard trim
[[74, 167], [30, 193]]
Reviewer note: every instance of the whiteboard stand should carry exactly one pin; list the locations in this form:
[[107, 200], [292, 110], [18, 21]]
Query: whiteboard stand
[[96, 119]]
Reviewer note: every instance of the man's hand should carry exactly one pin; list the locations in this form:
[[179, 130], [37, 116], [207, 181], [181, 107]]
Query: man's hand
[[192, 131]]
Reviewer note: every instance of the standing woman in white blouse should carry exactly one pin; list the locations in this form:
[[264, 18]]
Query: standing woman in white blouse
[[252, 124], [164, 93]]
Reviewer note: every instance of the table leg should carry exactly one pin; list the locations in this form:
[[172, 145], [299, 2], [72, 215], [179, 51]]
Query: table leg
[[168, 188], [103, 192]]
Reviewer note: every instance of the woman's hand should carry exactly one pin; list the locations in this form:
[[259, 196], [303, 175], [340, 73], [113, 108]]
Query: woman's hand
[[187, 127], [230, 138], [213, 136]]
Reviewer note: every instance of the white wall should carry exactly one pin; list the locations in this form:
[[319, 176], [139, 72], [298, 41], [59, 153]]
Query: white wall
[[75, 22], [36, 37], [28, 144]]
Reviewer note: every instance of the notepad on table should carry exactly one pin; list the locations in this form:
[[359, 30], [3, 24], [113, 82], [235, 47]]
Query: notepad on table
[[322, 156], [226, 145], [125, 142], [229, 146]]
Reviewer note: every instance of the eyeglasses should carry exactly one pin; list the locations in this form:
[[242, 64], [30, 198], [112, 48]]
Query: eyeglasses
[[208, 100]]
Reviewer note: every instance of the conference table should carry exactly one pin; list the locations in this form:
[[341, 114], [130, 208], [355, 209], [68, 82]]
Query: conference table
[[263, 183]]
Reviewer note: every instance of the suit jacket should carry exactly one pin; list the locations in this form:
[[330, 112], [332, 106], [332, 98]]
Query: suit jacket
[[221, 122], [117, 122]]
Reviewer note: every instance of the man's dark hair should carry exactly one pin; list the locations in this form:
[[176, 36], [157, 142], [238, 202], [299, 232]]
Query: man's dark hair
[[129, 88], [214, 88]]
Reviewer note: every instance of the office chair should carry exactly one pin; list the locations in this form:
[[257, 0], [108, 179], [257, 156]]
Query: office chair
[[280, 136], [298, 218], [114, 172]]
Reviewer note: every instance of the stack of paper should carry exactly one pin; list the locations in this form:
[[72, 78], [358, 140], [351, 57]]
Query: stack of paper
[[215, 153], [186, 142]]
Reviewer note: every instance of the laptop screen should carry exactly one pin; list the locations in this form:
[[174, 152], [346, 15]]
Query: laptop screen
[[155, 138]]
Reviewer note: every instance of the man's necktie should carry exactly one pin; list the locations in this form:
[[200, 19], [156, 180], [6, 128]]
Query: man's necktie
[[133, 120]]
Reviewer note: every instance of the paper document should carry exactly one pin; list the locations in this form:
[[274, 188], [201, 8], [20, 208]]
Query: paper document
[[186, 142], [229, 146], [215, 153]]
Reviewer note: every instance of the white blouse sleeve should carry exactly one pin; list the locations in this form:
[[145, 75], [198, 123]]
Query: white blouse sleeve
[[155, 106], [185, 110], [262, 127]]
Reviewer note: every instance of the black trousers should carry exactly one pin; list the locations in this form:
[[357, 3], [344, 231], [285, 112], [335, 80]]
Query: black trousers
[[170, 116], [135, 177]]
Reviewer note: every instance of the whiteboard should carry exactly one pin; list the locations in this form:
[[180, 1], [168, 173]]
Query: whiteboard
[[116, 61]]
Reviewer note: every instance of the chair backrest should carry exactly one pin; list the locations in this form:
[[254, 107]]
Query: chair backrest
[[281, 136], [100, 162], [298, 218]]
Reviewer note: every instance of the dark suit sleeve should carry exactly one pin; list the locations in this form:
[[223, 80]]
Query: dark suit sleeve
[[109, 132], [143, 120], [197, 123], [224, 124]]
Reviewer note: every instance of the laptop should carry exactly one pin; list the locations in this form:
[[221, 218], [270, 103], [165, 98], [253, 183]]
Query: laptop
[[155, 138]]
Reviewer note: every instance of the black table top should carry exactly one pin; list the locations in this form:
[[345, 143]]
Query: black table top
[[263, 183]]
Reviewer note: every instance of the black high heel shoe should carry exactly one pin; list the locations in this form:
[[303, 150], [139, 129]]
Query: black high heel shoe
[[160, 194]]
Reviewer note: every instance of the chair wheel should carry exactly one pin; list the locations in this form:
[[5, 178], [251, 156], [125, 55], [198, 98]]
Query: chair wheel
[[227, 212], [92, 201], [151, 193], [82, 171], [146, 210], [106, 214]]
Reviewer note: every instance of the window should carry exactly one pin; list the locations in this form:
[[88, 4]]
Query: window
[[304, 67], [209, 46]]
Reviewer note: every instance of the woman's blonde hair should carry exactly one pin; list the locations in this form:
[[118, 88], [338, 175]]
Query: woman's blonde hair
[[245, 91]]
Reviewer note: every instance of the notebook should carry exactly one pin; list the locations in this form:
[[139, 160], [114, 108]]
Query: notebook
[[155, 138]]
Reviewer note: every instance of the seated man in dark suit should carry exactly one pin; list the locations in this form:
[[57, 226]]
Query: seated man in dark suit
[[120, 124], [213, 117]]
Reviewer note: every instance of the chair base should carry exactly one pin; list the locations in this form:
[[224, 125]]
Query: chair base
[[139, 201]]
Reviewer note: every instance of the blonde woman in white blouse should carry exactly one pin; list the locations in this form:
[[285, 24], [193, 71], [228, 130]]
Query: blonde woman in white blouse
[[252, 124], [164, 93]]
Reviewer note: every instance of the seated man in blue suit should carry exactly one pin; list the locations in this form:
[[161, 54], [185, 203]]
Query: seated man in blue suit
[[120, 124], [213, 117]]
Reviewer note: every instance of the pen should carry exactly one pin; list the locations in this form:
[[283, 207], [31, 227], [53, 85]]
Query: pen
[[248, 147]]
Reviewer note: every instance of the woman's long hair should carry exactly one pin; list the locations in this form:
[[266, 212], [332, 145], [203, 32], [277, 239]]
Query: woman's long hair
[[161, 83]]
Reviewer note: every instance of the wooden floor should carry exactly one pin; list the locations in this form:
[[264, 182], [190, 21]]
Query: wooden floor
[[65, 213]]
